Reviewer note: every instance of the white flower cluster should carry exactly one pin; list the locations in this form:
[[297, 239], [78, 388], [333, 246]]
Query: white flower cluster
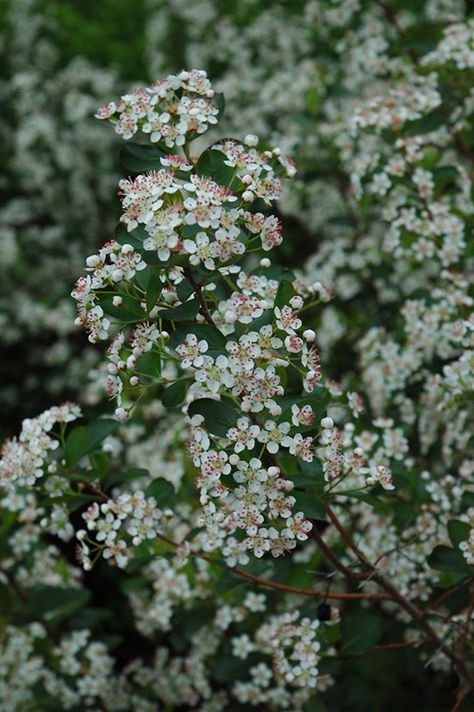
[[23, 459], [117, 523], [170, 110]]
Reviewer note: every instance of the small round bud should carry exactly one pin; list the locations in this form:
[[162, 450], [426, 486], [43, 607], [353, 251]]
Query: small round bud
[[327, 423], [247, 179], [164, 335], [134, 381], [131, 361], [121, 414], [117, 301], [273, 471], [184, 75], [317, 286], [127, 249], [309, 335], [251, 140], [247, 196], [265, 262], [296, 302], [234, 459]]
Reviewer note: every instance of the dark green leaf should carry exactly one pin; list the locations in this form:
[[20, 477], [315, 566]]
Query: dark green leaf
[[185, 311], [84, 439], [359, 632], [284, 293], [311, 505], [458, 531], [219, 416], [137, 158], [443, 558], [211, 163], [163, 491], [155, 285], [175, 394]]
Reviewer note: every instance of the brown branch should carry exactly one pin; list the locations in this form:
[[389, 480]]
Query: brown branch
[[415, 613], [259, 581], [198, 289]]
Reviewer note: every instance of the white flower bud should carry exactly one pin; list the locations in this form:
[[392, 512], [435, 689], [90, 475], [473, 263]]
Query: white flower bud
[[265, 262], [230, 317], [117, 301], [121, 414], [247, 196], [234, 459], [327, 423], [131, 361], [134, 381], [93, 261], [127, 249], [309, 335], [247, 179], [296, 302], [164, 335], [251, 140], [273, 471]]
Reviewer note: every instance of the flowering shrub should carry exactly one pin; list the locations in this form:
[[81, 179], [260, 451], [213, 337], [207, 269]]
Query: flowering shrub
[[265, 511]]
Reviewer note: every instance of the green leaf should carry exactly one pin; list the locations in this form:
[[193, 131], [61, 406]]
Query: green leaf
[[185, 311], [284, 293], [100, 463], [150, 364], [219, 416], [214, 338], [370, 499], [427, 123], [155, 285], [130, 309], [458, 531], [359, 632], [163, 491], [175, 394], [54, 604], [137, 157], [211, 163], [311, 505], [443, 558], [84, 439]]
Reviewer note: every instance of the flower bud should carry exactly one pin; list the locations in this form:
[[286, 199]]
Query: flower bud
[[265, 262], [117, 301], [327, 423], [309, 335], [296, 302], [247, 196], [251, 140]]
